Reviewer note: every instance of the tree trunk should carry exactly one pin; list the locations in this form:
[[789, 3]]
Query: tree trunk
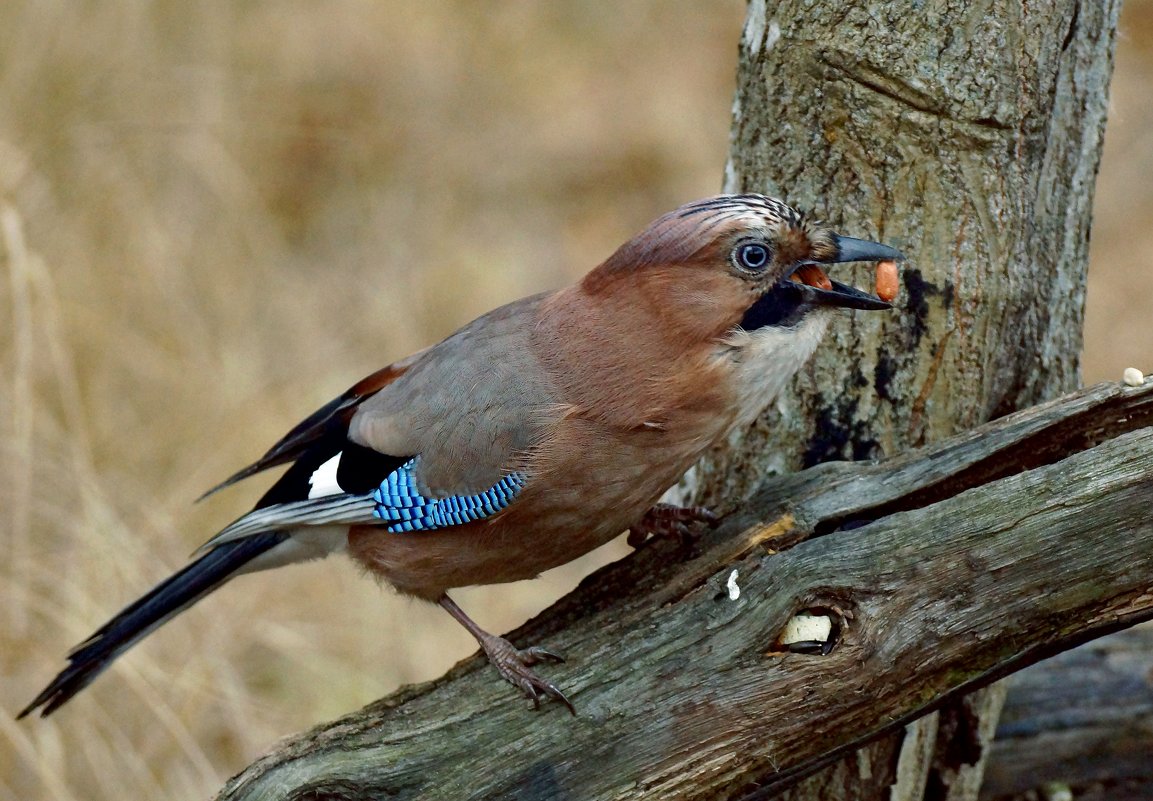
[[969, 135]]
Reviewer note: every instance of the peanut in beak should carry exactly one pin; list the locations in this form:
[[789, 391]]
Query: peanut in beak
[[888, 281]]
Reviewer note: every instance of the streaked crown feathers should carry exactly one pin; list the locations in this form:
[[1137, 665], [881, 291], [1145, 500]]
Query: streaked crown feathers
[[693, 232]]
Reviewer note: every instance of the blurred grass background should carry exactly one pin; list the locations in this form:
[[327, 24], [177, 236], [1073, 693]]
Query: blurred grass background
[[215, 216]]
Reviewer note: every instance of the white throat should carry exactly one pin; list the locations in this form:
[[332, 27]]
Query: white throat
[[767, 358]]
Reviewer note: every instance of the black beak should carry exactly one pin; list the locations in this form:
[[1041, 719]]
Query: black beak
[[848, 297]]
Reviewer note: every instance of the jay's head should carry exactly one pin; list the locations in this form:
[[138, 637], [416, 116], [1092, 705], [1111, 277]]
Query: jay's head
[[736, 261]]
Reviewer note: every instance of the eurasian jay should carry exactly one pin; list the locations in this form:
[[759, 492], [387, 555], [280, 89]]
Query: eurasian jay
[[537, 432]]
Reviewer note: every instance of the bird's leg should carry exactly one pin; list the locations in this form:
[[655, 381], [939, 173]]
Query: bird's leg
[[667, 520], [512, 663]]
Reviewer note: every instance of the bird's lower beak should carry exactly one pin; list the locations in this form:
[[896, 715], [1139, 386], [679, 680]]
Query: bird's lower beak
[[818, 289]]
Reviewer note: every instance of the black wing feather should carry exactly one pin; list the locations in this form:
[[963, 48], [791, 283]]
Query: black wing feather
[[319, 427], [330, 418]]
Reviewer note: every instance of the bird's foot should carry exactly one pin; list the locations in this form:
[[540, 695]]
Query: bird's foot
[[514, 665], [667, 520]]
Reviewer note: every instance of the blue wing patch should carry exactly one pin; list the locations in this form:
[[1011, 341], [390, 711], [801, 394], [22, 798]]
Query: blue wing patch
[[398, 500]]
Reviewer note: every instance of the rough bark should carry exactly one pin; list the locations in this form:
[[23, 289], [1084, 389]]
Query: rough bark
[[969, 135], [944, 568]]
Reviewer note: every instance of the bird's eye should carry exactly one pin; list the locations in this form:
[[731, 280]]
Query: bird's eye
[[752, 256]]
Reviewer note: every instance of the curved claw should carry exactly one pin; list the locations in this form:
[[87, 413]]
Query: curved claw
[[535, 655], [535, 687], [514, 665]]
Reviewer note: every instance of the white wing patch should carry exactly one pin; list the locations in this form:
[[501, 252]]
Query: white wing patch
[[323, 479], [396, 503]]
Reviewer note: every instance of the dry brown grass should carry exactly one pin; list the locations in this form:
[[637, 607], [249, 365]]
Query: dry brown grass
[[214, 216]]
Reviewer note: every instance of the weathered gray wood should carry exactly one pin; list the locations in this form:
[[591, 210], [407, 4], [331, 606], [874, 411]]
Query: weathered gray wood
[[968, 134], [987, 552], [1084, 717]]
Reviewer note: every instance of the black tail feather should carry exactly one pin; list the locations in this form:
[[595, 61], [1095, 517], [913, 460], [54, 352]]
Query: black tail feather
[[164, 601]]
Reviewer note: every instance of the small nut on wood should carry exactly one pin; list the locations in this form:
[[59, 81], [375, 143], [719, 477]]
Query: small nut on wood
[[888, 281], [806, 627], [1057, 791], [1132, 377], [733, 587]]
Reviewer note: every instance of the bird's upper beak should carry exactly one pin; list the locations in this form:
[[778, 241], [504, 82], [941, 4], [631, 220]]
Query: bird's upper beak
[[818, 289]]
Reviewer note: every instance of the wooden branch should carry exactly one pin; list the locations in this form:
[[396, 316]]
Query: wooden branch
[[1081, 719], [985, 553]]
